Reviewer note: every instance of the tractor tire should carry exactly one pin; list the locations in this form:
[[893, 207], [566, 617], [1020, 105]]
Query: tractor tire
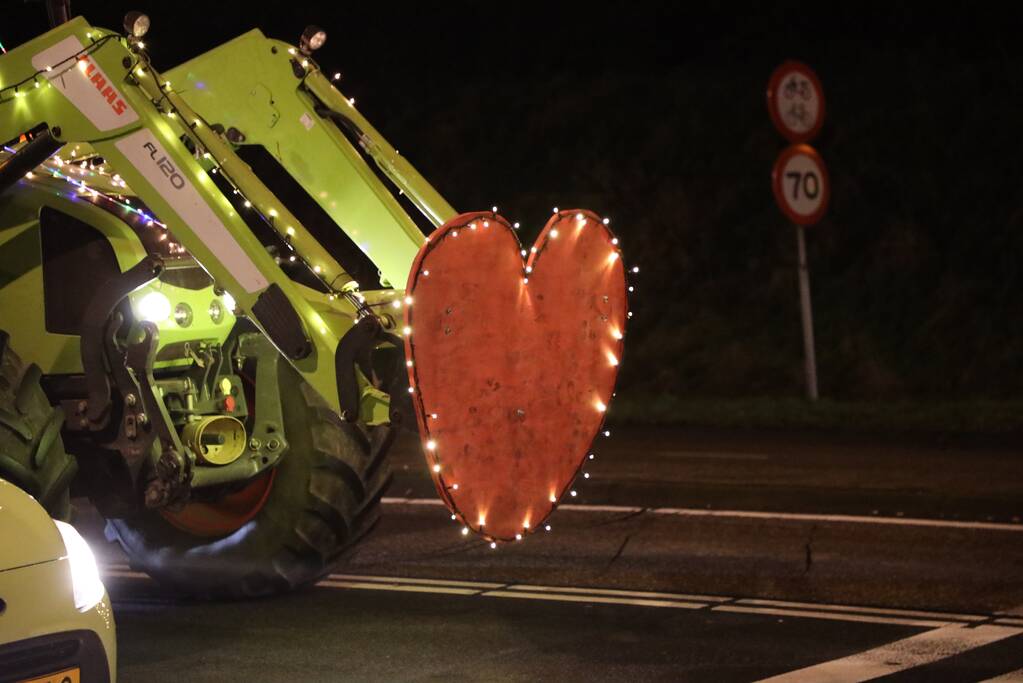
[[32, 454], [323, 499]]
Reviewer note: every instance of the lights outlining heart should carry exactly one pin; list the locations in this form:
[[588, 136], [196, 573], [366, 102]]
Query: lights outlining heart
[[512, 363]]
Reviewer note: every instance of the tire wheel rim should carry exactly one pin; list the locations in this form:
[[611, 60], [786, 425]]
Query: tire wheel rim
[[224, 516]]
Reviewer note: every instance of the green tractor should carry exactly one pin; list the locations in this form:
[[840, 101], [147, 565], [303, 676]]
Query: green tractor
[[175, 343]]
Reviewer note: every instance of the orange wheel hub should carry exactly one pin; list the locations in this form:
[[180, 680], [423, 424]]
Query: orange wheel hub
[[226, 515]]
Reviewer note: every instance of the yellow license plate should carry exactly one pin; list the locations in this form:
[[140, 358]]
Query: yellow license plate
[[65, 676]]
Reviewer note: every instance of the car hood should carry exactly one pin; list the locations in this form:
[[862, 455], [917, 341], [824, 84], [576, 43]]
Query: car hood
[[27, 534]]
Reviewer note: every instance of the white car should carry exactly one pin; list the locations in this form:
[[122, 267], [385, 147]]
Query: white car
[[56, 625]]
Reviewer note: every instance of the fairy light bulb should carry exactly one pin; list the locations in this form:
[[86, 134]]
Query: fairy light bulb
[[555, 209], [635, 269], [573, 493], [580, 217], [408, 364], [553, 498], [465, 531], [613, 257], [408, 301], [554, 233], [431, 445], [493, 545], [612, 359], [436, 468], [606, 221], [600, 406], [406, 330]]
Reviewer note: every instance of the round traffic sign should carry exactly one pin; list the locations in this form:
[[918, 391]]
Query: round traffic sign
[[801, 185], [795, 101]]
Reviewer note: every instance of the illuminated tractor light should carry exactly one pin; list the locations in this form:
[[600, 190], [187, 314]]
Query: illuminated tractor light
[[136, 24], [154, 307]]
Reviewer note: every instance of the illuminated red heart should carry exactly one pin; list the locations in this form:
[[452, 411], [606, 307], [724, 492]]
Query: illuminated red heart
[[513, 361]]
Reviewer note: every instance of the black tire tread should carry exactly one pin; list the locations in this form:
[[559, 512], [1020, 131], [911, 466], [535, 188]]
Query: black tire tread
[[32, 454]]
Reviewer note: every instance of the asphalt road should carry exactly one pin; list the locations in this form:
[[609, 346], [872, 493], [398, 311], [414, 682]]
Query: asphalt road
[[703, 557]]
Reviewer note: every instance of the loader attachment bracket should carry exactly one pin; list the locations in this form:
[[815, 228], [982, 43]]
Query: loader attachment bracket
[[94, 328]]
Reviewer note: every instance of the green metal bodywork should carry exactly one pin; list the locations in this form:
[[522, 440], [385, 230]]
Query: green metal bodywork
[[277, 99]]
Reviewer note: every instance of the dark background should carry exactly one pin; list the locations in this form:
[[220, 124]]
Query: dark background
[[654, 114]]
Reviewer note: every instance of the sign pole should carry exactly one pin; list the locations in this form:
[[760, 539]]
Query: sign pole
[[806, 309], [795, 101]]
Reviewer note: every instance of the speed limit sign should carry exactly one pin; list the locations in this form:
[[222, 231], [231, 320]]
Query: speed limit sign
[[795, 101], [801, 186]]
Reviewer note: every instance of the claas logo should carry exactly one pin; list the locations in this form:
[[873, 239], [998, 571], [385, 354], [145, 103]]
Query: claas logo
[[96, 77]]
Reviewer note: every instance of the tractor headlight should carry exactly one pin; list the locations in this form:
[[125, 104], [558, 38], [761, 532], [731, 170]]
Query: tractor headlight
[[313, 38], [183, 314], [216, 311], [154, 307], [136, 24], [85, 582]]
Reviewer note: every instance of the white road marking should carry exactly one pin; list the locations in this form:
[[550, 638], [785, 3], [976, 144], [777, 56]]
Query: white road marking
[[590, 599], [751, 514], [373, 585], [842, 519], [432, 582], [870, 610], [801, 610], [1011, 677], [616, 592], [832, 616], [923, 648]]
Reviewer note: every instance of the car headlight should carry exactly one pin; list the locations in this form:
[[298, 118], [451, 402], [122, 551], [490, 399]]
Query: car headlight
[[85, 580]]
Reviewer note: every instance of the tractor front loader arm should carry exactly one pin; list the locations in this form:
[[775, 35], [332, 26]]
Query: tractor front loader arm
[[90, 85], [268, 94]]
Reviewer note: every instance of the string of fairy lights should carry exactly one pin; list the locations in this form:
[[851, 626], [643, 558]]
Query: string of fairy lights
[[432, 448], [18, 90], [85, 168]]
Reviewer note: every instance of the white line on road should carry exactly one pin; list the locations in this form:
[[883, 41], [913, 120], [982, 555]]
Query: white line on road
[[801, 610], [870, 610], [616, 592], [833, 616], [590, 599], [751, 514], [406, 588], [923, 648], [402, 579]]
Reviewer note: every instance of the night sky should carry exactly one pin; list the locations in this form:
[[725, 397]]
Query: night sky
[[654, 114]]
